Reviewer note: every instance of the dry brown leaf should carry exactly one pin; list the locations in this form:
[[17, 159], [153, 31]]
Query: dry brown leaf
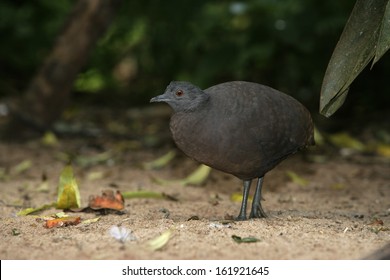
[[62, 222], [108, 200]]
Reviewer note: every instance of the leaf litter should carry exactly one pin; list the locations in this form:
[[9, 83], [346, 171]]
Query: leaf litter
[[197, 177]]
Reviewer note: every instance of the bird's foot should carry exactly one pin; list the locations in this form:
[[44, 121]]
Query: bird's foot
[[241, 217], [257, 212]]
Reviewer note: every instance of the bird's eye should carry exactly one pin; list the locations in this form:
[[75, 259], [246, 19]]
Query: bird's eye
[[179, 93]]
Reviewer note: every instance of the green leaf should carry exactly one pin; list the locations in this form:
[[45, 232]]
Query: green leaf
[[91, 221], [365, 36], [384, 35], [318, 138], [239, 239], [3, 174], [29, 211], [49, 139], [297, 179], [197, 177], [21, 167], [68, 191], [344, 140], [86, 161], [15, 232], [147, 194], [161, 161]]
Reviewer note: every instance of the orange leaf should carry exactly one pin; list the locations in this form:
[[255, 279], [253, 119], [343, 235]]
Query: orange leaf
[[108, 200], [63, 222]]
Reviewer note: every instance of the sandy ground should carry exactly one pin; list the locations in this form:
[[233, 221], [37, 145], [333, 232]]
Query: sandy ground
[[338, 215]]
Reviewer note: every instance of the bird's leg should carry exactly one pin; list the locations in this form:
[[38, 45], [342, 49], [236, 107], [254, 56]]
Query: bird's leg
[[245, 195], [257, 211]]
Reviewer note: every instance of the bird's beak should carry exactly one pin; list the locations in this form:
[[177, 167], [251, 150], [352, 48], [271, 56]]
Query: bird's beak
[[160, 98]]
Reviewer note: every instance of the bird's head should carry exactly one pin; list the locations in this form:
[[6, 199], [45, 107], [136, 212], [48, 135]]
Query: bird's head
[[182, 96]]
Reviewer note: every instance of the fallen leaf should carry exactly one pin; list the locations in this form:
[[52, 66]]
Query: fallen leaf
[[3, 174], [118, 128], [68, 191], [28, 211], [295, 178], [62, 222], [126, 145], [318, 138], [21, 167], [383, 150], [318, 158], [60, 215], [95, 175], [15, 232], [376, 222], [49, 139], [377, 225], [344, 140], [108, 200], [148, 194], [160, 162], [160, 241], [197, 177], [337, 186], [91, 221], [86, 161], [239, 239], [237, 197]]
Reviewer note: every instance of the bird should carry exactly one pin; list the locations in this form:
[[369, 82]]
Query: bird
[[238, 127]]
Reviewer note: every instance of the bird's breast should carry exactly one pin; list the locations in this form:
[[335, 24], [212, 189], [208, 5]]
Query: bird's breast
[[216, 142]]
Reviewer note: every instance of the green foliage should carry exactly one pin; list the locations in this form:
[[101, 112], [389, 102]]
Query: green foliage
[[206, 42], [366, 38], [284, 44], [27, 28]]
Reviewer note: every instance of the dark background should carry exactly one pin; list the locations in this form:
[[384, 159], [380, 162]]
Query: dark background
[[283, 44]]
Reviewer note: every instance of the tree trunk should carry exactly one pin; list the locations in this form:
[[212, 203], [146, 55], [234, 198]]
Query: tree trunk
[[48, 93]]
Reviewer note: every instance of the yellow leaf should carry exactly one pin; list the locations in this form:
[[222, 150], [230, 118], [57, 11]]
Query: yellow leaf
[[160, 162], [95, 175], [383, 150], [237, 197], [160, 241], [91, 221], [344, 140], [68, 191], [318, 138], [60, 215], [297, 179], [198, 176], [49, 139]]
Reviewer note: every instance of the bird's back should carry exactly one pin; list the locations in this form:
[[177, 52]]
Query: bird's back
[[245, 129]]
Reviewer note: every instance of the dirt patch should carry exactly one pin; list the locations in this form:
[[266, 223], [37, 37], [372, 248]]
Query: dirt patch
[[333, 217]]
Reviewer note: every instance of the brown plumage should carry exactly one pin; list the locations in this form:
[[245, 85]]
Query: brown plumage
[[241, 128]]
